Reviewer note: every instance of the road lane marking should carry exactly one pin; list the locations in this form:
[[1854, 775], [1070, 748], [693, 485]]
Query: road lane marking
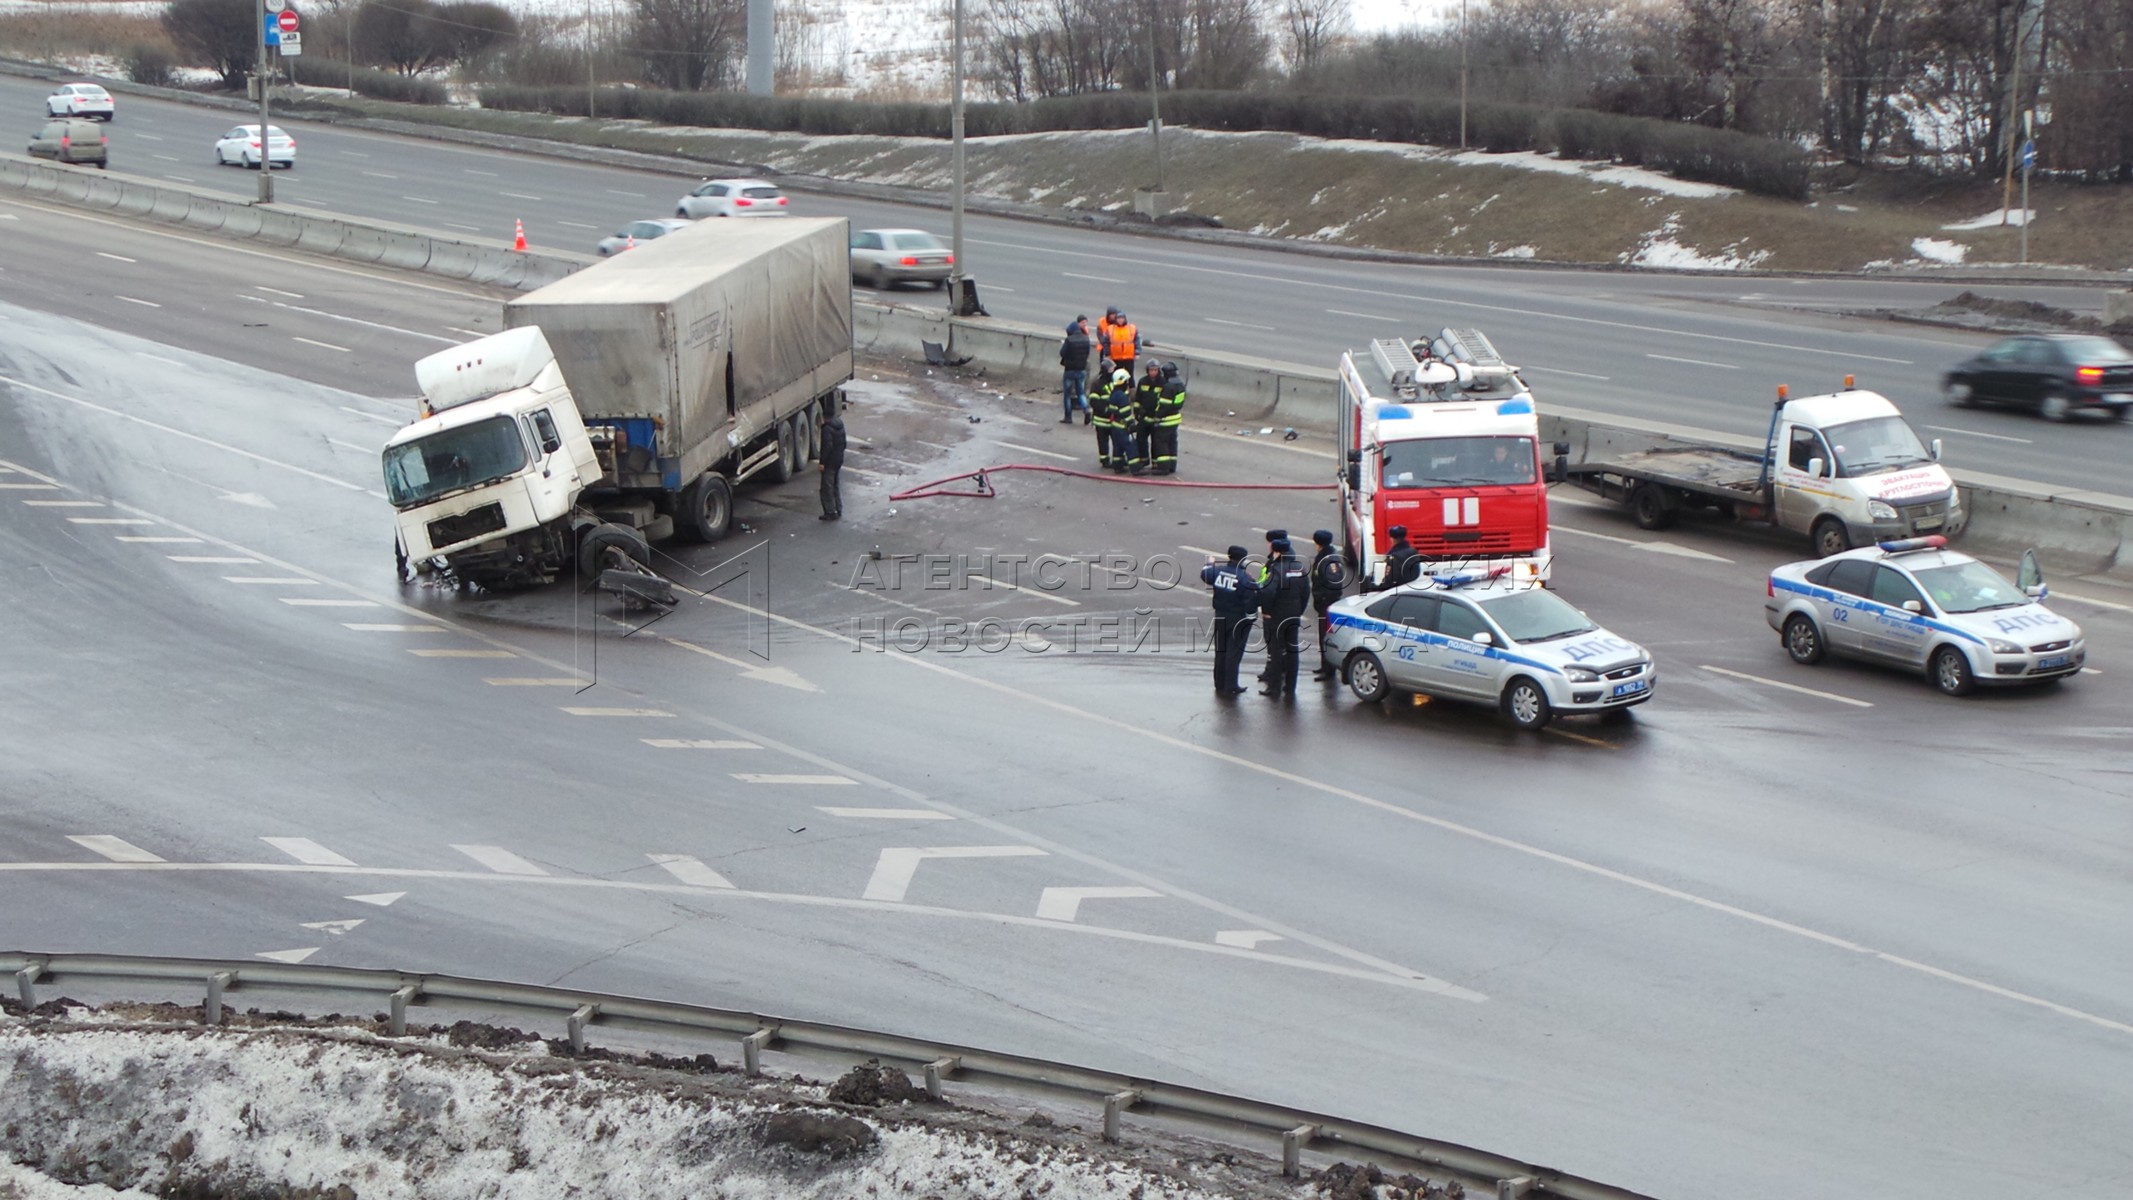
[[304, 850], [698, 744], [309, 602], [351, 446], [1240, 324], [1245, 939], [499, 860], [620, 192], [142, 303], [1694, 362], [1790, 687], [291, 580], [30, 487], [336, 928], [522, 196], [381, 899], [371, 416], [116, 849], [321, 345], [291, 957], [168, 362], [420, 200], [472, 171], [1672, 548], [277, 291], [1064, 903], [1572, 374], [1997, 437], [690, 870], [534, 681], [63, 503], [1091, 278], [334, 316], [361, 627], [1361, 316], [436, 653], [380, 175], [885, 814], [111, 521], [583, 225], [617, 712], [141, 539], [116, 257], [802, 780], [897, 864], [192, 437], [1045, 453], [2109, 604], [216, 559]]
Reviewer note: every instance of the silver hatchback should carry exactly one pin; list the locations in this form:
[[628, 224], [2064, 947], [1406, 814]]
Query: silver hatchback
[[887, 257]]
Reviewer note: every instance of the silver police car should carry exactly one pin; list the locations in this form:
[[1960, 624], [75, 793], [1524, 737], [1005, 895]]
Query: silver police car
[[1482, 636], [1914, 603]]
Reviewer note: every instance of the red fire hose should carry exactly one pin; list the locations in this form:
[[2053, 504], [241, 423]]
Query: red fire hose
[[984, 489]]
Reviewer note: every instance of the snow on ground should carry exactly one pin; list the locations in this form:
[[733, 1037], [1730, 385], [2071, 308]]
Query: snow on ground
[[1997, 217], [254, 1111], [1938, 250]]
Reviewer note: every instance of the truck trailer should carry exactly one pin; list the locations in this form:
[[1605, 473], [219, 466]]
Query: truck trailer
[[622, 404]]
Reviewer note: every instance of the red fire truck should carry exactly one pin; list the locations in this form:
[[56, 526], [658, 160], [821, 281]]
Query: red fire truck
[[1440, 435]]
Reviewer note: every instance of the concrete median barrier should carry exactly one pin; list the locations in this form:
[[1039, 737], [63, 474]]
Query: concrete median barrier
[[321, 236], [406, 251], [134, 200], [241, 220], [279, 226]]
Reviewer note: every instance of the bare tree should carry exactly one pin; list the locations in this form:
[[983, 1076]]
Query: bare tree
[[1227, 46], [463, 32], [1309, 28], [689, 45], [2091, 132], [222, 35]]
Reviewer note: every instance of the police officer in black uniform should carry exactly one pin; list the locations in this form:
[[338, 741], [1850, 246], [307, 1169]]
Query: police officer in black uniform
[[1266, 624], [1403, 563], [1283, 598], [1330, 573], [1236, 599]]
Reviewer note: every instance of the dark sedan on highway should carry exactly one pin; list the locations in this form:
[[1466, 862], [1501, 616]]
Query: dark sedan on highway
[[2053, 373]]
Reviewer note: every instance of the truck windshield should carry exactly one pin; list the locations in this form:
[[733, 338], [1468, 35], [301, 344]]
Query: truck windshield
[[1874, 445], [418, 472], [1968, 587], [1534, 615], [1458, 462]]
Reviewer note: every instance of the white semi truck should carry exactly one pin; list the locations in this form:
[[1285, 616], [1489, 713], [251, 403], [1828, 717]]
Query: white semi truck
[[622, 404]]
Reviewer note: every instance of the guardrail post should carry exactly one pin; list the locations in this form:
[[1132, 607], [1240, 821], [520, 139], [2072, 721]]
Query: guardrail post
[[1292, 1148], [26, 981], [396, 1020], [1515, 1187], [937, 1070], [752, 1048], [1114, 1104], [577, 1023], [216, 985]]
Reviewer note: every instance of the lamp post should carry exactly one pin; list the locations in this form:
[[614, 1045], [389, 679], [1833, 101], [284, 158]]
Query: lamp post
[[955, 135], [1155, 104], [266, 137], [1462, 74]]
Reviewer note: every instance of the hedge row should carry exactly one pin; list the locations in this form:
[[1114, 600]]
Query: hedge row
[[1753, 164], [378, 85]]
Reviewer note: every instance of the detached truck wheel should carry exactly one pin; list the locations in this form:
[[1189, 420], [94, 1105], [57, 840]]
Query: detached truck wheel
[[707, 508], [609, 546]]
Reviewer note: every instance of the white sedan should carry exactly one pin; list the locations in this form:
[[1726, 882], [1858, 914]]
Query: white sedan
[[240, 146], [732, 198], [1483, 636], [79, 100]]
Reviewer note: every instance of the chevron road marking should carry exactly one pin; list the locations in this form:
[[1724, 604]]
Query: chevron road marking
[[893, 871], [1064, 903]]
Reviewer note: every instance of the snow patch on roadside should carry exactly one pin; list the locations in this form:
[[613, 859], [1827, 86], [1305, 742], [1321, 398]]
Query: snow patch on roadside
[[1662, 249], [1938, 250], [1997, 217]]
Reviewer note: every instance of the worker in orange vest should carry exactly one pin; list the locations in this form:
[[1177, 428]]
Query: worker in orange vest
[[1102, 339], [1122, 343]]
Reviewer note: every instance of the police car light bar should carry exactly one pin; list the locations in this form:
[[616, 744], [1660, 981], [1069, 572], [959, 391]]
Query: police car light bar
[[1461, 578], [1931, 541]]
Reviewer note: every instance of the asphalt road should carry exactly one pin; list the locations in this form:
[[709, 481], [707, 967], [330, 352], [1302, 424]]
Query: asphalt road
[[1788, 932], [1707, 352]]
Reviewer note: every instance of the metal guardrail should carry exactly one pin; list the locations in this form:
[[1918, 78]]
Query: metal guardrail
[[940, 1062]]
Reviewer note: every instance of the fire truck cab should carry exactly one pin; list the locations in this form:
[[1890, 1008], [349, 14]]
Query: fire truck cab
[[1440, 435]]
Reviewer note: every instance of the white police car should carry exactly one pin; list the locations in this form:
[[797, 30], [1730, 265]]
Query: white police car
[[1483, 636], [1916, 604]]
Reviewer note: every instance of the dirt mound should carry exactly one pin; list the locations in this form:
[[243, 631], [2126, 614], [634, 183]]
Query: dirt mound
[[819, 1133], [872, 1085], [1347, 1181]]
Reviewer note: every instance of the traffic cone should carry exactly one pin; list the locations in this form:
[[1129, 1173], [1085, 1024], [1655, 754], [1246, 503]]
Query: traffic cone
[[630, 243], [518, 235]]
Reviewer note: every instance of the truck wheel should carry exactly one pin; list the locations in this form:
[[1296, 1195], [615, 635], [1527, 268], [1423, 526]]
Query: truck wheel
[[809, 433], [1829, 537], [1526, 704], [1651, 507], [788, 454], [1951, 672], [1366, 677], [2055, 407], [707, 508], [1803, 641], [608, 545]]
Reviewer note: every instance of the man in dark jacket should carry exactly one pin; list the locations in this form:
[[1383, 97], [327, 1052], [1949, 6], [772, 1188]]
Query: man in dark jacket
[[1074, 363], [1330, 573], [1403, 563], [1283, 598], [1236, 599], [830, 459]]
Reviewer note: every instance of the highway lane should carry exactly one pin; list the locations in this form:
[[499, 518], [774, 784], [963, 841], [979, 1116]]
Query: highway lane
[[1703, 352], [1744, 940]]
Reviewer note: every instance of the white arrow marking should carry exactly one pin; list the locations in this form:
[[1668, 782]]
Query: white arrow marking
[[304, 850], [893, 872], [1245, 939], [781, 676], [288, 956], [381, 899], [115, 849], [336, 928], [690, 870], [1064, 903]]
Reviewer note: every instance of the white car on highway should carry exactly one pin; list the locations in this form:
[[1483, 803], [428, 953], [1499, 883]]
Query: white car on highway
[[79, 100], [240, 146], [732, 198], [1486, 637], [1916, 604]]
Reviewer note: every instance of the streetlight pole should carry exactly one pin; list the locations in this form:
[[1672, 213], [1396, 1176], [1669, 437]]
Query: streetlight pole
[[266, 137], [955, 135], [1155, 103], [1462, 74], [591, 85]]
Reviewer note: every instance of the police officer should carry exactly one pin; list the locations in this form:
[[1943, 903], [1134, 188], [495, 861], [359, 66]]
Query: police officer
[[1283, 598], [1330, 573], [1403, 563], [1266, 624], [1236, 598], [1169, 416], [1104, 406]]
